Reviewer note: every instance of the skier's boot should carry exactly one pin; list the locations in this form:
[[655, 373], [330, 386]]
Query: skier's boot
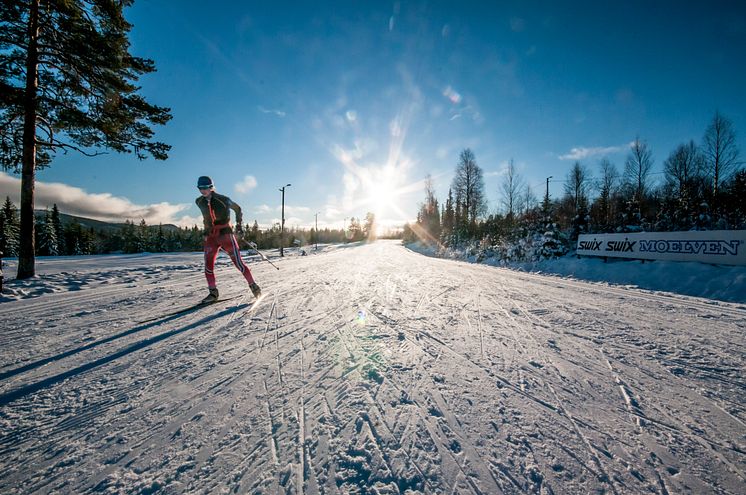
[[211, 297], [255, 290]]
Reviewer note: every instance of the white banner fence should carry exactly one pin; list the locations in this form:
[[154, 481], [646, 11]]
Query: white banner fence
[[721, 247]]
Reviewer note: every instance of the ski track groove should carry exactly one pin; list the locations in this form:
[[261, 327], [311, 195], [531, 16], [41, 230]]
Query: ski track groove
[[156, 330], [83, 417], [462, 435], [96, 298], [46, 302], [555, 409], [737, 311], [637, 413], [561, 403], [639, 416], [218, 371], [346, 340]]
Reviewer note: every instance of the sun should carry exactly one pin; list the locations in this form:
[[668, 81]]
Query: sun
[[380, 188], [382, 192]]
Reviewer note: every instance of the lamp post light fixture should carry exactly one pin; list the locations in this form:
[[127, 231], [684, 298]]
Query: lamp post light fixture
[[282, 224]]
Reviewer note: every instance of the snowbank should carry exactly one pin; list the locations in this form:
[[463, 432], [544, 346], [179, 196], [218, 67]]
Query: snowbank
[[723, 283]]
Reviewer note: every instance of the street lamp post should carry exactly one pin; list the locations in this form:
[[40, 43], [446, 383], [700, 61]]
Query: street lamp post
[[282, 224]]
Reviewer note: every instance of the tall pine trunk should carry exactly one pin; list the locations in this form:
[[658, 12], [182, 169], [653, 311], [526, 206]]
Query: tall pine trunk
[[26, 257]]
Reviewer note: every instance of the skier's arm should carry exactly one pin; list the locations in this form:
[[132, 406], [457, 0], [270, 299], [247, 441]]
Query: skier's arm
[[239, 215], [205, 222]]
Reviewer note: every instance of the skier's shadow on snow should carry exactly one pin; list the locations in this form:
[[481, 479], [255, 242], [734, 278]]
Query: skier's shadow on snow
[[34, 387]]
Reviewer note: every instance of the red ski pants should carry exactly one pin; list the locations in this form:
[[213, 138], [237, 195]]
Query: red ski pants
[[227, 242]]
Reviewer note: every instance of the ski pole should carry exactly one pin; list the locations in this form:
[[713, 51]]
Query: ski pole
[[253, 246]]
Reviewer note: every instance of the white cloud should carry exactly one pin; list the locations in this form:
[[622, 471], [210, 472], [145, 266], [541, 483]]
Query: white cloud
[[581, 152], [452, 95], [332, 212], [279, 113], [248, 183], [296, 222], [98, 206], [295, 210], [187, 221], [289, 210]]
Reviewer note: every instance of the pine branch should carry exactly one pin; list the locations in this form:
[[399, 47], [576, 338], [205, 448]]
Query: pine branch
[[11, 42], [11, 117], [47, 127], [65, 146]]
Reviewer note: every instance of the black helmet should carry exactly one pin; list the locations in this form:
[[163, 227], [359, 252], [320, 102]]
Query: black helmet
[[204, 182]]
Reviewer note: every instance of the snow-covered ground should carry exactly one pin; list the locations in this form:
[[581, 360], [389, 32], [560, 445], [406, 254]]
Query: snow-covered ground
[[368, 369], [720, 282]]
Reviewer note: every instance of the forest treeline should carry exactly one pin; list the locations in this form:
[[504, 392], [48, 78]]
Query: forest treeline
[[57, 238], [702, 186]]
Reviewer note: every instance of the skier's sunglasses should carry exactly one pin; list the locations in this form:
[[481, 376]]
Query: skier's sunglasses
[[204, 187]]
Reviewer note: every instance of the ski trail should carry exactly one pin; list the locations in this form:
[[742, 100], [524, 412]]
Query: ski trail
[[375, 369], [563, 409]]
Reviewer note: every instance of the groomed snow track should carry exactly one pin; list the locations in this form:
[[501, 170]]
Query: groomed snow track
[[371, 369]]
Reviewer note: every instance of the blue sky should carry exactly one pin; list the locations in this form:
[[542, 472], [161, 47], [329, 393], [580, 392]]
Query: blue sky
[[354, 103]]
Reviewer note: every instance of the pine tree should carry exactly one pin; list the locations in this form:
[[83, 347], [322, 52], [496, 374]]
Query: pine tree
[[637, 169], [129, 238], [77, 241], [721, 154], [159, 242], [468, 184], [173, 241], [355, 233], [143, 237], [369, 229], [58, 230], [428, 218], [603, 206], [68, 83], [47, 237], [9, 231]]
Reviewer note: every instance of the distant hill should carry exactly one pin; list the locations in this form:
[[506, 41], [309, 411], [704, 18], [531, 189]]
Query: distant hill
[[98, 225]]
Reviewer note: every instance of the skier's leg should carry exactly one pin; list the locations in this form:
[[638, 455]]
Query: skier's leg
[[211, 253], [230, 245]]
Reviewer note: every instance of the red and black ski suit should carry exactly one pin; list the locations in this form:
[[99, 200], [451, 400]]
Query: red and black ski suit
[[215, 210]]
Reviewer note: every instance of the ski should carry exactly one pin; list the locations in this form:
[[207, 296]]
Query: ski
[[253, 246]]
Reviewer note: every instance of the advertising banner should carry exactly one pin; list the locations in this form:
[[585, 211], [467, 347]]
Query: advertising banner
[[721, 247]]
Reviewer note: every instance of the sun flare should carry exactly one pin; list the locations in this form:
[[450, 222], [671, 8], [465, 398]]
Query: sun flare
[[382, 192]]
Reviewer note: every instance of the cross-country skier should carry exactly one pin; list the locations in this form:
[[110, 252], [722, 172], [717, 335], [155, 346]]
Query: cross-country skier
[[218, 233]]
